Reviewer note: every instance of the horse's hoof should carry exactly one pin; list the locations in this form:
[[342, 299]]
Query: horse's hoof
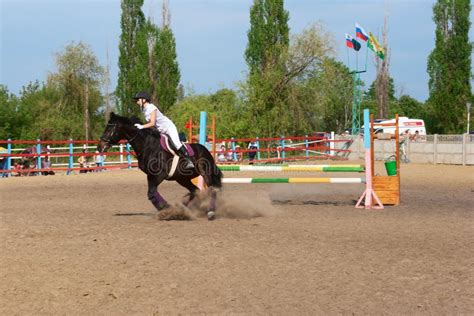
[[211, 215], [162, 206]]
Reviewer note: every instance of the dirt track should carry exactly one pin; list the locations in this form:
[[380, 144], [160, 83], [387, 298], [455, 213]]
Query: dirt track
[[91, 244]]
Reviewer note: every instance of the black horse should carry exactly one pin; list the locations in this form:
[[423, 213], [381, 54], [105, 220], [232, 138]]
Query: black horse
[[158, 164]]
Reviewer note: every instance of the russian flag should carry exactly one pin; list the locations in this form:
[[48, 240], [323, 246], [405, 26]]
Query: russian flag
[[349, 41], [361, 33]]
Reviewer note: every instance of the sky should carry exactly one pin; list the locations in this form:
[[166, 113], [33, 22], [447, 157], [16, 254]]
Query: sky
[[211, 37]]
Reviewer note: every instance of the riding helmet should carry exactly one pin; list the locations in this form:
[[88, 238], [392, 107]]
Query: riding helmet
[[142, 95]]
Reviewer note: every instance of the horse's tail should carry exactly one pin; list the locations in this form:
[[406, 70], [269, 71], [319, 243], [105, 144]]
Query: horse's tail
[[211, 173], [216, 177]]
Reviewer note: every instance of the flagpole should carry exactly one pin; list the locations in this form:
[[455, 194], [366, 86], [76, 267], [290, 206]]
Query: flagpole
[[348, 61], [366, 55]]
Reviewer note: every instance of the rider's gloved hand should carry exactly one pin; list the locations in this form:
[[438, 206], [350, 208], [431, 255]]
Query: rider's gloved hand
[[139, 126]]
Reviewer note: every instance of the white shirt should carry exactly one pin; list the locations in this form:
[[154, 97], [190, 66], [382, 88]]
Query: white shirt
[[162, 122]]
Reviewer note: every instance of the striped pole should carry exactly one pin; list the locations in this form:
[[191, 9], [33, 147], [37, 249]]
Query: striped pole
[[258, 148], [306, 144], [38, 158], [292, 180], [129, 157], [9, 158], [283, 154], [294, 168], [71, 157], [202, 140]]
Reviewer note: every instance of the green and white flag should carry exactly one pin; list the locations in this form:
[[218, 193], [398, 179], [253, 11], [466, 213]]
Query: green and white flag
[[374, 45]]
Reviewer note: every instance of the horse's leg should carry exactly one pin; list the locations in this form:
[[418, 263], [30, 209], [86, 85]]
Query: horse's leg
[[211, 212], [187, 183], [156, 199], [212, 182]]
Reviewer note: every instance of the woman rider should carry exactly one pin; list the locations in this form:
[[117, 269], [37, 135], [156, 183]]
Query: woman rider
[[164, 125]]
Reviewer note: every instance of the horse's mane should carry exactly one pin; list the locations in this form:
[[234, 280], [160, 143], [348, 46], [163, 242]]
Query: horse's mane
[[135, 120]]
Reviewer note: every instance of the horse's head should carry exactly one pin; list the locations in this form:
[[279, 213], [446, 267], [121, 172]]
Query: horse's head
[[114, 132]]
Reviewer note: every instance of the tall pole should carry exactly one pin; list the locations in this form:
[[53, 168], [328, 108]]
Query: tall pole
[[468, 107], [357, 95]]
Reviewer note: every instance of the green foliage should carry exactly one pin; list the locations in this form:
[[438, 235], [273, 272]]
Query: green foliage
[[370, 99], [331, 97], [8, 107], [77, 84], [133, 57], [56, 109], [224, 104], [167, 69], [409, 107], [268, 37], [449, 66], [266, 55]]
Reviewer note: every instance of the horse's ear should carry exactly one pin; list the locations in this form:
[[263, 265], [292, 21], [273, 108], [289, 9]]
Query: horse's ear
[[112, 114]]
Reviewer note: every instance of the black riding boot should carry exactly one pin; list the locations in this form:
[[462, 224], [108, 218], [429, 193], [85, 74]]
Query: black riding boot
[[183, 153]]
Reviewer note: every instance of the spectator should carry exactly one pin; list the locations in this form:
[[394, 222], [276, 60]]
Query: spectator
[[252, 146], [46, 165], [17, 169], [83, 163], [238, 152], [99, 161], [404, 138], [3, 166], [221, 154], [3, 162], [229, 155]]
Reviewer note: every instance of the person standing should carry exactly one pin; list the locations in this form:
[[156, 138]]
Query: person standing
[[164, 125], [404, 138], [252, 150]]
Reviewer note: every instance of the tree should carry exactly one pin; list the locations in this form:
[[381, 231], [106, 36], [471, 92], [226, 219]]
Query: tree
[[409, 107], [324, 102], [78, 81], [229, 109], [382, 82], [268, 37], [133, 58], [167, 69], [8, 105], [267, 48], [449, 65], [372, 96]]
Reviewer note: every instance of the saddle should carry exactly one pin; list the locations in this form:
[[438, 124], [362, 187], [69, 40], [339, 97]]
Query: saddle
[[168, 146]]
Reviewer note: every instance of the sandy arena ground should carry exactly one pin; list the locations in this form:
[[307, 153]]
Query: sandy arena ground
[[91, 244]]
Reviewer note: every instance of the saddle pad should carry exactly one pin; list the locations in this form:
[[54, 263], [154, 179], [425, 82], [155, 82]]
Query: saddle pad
[[165, 142]]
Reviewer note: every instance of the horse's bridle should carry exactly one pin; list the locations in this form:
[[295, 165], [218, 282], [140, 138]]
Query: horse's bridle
[[109, 141]]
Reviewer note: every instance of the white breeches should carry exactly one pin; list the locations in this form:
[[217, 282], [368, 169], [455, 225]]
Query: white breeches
[[172, 132]]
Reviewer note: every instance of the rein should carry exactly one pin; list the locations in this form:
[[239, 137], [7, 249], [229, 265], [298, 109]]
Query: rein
[[108, 140]]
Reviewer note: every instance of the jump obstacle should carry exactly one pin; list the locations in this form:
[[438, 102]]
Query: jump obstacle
[[295, 168], [293, 180], [379, 190]]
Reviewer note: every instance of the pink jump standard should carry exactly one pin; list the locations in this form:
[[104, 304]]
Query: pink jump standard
[[369, 193]]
